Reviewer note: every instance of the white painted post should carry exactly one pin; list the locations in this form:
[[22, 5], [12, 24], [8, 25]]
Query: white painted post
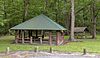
[[7, 50]]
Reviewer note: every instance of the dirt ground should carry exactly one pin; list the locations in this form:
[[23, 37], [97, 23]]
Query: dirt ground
[[41, 54]]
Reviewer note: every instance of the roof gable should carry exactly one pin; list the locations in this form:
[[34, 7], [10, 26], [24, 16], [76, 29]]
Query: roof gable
[[79, 29]]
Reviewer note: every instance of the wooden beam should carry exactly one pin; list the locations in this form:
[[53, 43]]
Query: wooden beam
[[50, 38]]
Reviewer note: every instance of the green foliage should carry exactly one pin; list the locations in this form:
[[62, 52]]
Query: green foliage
[[58, 10]]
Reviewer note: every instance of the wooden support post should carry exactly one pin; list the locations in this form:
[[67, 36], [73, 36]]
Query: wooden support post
[[24, 33], [22, 36], [19, 33], [84, 36], [31, 41], [23, 40], [40, 40], [31, 33], [16, 39], [16, 36], [34, 38], [50, 38], [63, 37], [57, 38], [36, 33]]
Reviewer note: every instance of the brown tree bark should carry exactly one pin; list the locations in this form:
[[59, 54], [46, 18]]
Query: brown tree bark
[[25, 13], [72, 22], [45, 7], [4, 8], [93, 20]]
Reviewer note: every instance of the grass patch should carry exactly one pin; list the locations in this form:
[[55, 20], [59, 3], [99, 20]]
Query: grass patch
[[90, 44]]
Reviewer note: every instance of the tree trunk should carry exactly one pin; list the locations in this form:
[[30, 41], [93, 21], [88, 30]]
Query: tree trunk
[[66, 17], [5, 13], [57, 10], [25, 13], [72, 22], [93, 20], [45, 7]]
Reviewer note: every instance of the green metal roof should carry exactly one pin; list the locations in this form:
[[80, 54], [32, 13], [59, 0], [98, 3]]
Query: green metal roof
[[40, 22]]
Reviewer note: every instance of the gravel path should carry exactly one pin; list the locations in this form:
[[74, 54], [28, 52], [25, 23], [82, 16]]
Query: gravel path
[[32, 54], [66, 56]]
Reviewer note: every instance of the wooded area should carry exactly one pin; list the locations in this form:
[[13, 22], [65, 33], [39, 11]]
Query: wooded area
[[87, 13], [49, 25]]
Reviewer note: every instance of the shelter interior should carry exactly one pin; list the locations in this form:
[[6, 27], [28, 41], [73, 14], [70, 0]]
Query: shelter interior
[[39, 36]]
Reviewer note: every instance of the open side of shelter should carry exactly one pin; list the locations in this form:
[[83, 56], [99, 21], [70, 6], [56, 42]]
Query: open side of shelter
[[37, 28], [23, 37]]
